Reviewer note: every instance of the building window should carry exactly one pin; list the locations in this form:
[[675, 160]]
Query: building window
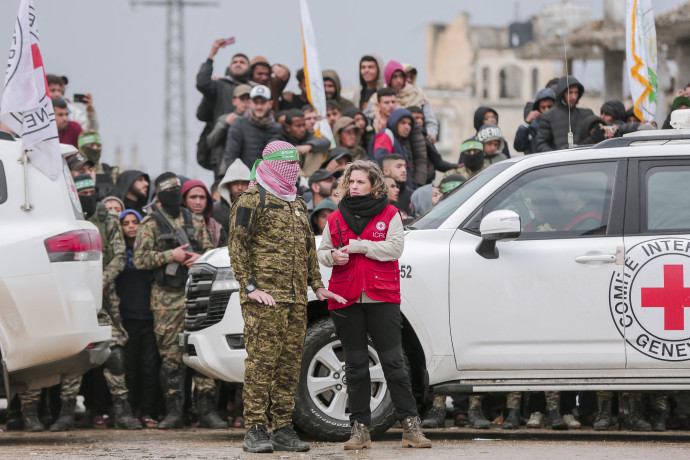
[[485, 83], [510, 81]]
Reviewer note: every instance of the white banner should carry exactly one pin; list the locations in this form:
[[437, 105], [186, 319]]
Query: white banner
[[312, 75], [26, 106], [641, 57]]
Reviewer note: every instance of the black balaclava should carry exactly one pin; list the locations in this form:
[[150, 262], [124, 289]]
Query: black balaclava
[[88, 203], [472, 162], [169, 193]]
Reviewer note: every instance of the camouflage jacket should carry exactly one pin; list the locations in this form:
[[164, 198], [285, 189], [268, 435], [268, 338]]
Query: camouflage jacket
[[274, 245], [150, 252], [114, 260]]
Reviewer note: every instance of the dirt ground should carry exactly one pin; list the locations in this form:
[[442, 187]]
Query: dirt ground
[[447, 444]]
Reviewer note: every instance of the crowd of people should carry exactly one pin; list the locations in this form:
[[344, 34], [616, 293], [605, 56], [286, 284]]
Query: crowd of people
[[389, 125]]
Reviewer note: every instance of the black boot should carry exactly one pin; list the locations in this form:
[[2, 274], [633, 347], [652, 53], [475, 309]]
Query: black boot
[[659, 420], [604, 420], [555, 421], [512, 421], [635, 420], [435, 418], [477, 419], [123, 415], [173, 418], [30, 418], [256, 441], [286, 439], [65, 420], [208, 415]]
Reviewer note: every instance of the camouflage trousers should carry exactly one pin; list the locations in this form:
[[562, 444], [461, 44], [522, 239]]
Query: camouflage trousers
[[69, 389], [513, 400], [274, 339], [659, 399], [167, 325]]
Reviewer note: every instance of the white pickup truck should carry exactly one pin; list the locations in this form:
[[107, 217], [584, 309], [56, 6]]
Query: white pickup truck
[[568, 270], [50, 276]]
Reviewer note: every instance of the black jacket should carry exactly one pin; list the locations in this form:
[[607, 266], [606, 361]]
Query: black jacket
[[553, 124], [246, 140]]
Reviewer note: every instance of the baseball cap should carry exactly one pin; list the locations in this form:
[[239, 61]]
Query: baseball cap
[[241, 90], [319, 175], [260, 91], [336, 154], [77, 161]]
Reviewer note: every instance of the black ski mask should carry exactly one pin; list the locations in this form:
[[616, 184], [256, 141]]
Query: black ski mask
[[88, 202], [473, 162], [169, 193]]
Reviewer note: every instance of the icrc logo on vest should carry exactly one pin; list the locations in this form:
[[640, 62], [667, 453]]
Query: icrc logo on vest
[[649, 298]]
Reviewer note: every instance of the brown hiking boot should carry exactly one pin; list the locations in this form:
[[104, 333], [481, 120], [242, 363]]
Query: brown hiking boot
[[360, 438], [412, 433]]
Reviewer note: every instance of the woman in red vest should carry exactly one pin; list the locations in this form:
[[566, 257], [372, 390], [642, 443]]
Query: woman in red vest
[[362, 241]]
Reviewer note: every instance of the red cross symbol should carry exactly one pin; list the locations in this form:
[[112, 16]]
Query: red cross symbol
[[673, 298], [38, 63]]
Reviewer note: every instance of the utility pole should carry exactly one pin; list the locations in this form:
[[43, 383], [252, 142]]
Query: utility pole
[[175, 132]]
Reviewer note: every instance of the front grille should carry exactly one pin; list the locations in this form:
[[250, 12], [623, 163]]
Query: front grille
[[204, 308]]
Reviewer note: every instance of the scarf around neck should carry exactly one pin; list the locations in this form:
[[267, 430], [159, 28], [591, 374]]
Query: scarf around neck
[[358, 210]]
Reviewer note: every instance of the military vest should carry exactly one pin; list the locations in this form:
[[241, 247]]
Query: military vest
[[98, 219]]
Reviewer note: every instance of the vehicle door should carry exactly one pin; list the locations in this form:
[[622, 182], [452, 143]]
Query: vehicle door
[[656, 281], [543, 302]]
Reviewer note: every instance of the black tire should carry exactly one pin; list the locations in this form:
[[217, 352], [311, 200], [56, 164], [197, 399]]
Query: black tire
[[308, 416]]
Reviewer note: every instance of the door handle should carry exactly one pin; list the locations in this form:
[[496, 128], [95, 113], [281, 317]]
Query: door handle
[[605, 258]]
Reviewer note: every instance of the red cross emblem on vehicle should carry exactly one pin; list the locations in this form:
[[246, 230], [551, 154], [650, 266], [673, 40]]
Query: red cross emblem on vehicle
[[674, 297]]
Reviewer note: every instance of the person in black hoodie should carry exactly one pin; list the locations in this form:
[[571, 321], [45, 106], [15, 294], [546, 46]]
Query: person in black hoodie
[[552, 133], [142, 362], [488, 116], [132, 188]]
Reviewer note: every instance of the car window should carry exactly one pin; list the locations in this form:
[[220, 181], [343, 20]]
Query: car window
[[3, 184], [668, 203], [558, 202], [438, 214]]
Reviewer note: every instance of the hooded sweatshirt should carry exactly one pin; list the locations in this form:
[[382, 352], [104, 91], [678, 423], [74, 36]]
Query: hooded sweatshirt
[[387, 142], [342, 102], [237, 171], [479, 122], [357, 99], [215, 229], [553, 124], [124, 182], [526, 135]]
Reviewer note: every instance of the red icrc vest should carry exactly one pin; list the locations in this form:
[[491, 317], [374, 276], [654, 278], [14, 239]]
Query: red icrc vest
[[379, 280]]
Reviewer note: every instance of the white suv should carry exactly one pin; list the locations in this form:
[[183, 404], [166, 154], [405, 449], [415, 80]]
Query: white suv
[[564, 270], [50, 277]]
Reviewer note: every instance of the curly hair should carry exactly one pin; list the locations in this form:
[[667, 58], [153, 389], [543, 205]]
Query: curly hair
[[379, 189]]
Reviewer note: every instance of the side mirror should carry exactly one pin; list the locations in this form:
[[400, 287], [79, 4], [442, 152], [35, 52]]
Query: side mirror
[[498, 225]]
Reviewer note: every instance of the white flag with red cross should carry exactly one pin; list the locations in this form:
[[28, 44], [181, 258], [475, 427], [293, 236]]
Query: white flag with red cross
[[26, 106]]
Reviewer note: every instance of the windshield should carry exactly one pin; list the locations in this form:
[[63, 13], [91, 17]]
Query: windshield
[[435, 216]]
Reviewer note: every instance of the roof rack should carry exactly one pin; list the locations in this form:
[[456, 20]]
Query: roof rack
[[641, 136]]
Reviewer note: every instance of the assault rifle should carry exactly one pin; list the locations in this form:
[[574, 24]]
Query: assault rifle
[[173, 233]]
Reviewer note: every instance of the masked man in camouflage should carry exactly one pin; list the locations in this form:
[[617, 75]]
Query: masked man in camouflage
[[114, 258], [157, 250], [273, 255]]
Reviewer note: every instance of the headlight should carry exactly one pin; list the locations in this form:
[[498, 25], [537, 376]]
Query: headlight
[[225, 281]]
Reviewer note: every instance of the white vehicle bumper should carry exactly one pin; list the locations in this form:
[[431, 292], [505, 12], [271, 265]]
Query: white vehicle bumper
[[209, 350]]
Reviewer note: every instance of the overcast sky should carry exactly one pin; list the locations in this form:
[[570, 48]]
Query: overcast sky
[[116, 51]]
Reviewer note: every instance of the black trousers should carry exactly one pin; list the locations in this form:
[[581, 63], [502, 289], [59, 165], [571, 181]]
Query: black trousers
[[141, 365], [383, 323]]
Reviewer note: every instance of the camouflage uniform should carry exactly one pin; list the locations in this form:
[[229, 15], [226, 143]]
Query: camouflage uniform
[[69, 388], [167, 303], [513, 400], [273, 244], [114, 260]]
